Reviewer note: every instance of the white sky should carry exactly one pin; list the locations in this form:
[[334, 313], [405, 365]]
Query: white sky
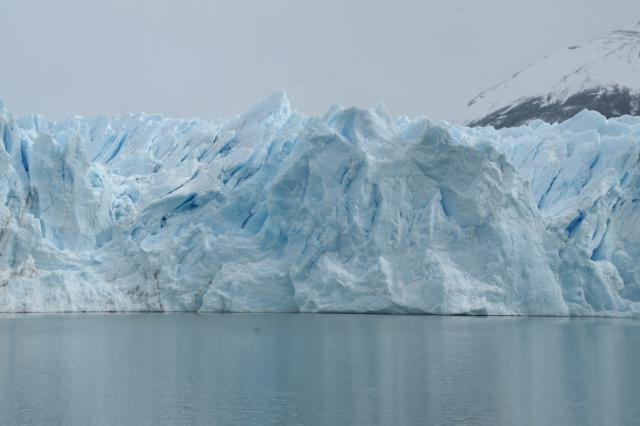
[[216, 58]]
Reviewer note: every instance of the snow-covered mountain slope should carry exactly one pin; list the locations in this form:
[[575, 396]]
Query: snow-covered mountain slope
[[602, 75], [350, 212]]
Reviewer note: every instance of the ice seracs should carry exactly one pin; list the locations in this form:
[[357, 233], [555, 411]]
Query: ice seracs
[[353, 211]]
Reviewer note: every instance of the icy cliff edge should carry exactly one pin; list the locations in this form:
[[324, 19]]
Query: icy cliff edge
[[353, 211]]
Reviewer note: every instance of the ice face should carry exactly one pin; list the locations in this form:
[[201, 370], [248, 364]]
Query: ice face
[[349, 212]]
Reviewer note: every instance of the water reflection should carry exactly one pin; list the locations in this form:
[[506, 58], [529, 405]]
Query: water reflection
[[317, 369]]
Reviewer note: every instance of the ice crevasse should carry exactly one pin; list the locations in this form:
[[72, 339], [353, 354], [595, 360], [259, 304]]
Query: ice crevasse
[[352, 211]]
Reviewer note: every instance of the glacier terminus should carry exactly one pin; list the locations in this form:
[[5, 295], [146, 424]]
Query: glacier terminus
[[352, 211]]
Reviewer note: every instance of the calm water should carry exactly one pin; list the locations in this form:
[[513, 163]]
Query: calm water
[[317, 370]]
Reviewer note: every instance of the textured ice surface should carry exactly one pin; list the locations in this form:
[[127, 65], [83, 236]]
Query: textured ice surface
[[352, 212]]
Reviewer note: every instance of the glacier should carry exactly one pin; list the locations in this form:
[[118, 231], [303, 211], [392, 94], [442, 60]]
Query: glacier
[[352, 211]]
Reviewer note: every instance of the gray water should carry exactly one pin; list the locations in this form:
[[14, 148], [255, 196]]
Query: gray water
[[317, 370]]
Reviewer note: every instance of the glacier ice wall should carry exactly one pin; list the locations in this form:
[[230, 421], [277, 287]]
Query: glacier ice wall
[[353, 211]]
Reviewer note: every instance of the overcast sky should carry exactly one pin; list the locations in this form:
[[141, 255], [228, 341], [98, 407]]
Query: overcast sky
[[216, 58]]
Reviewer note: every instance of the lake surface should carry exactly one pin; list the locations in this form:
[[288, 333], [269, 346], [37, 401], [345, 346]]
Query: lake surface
[[264, 369]]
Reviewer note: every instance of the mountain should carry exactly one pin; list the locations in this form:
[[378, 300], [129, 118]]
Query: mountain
[[601, 75], [352, 211]]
